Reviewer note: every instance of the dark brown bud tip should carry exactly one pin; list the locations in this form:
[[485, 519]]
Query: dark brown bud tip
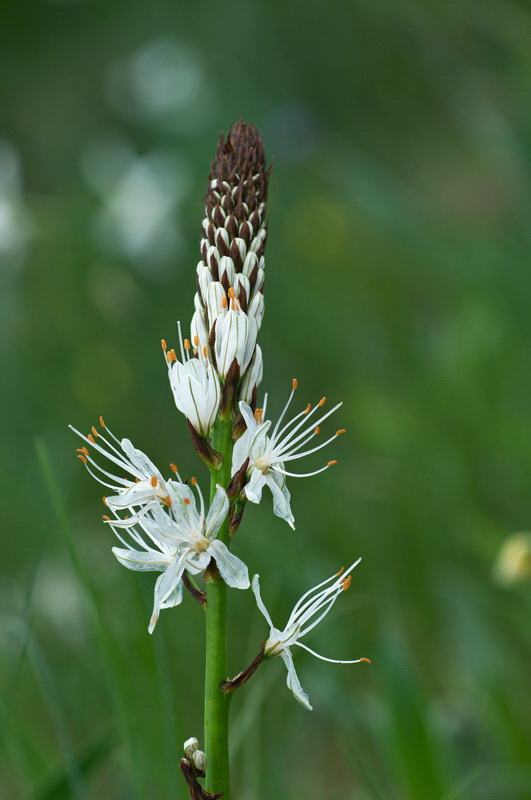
[[196, 593], [229, 389], [229, 686], [211, 457], [238, 481]]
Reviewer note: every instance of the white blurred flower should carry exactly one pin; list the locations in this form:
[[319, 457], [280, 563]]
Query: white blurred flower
[[307, 613], [268, 454]]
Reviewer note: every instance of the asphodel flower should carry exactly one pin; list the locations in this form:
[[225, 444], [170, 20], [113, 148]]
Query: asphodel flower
[[307, 613], [176, 538], [140, 483], [195, 386], [269, 451]]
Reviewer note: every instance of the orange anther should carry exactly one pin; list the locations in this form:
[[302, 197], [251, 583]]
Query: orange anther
[[194, 481], [137, 480], [90, 437], [94, 431], [317, 431], [104, 500], [341, 571], [186, 501], [331, 463], [294, 383], [106, 518], [205, 351], [345, 583], [102, 423], [233, 305], [83, 459], [196, 340], [154, 481], [259, 415], [307, 409], [171, 356], [187, 344], [174, 468], [164, 345], [338, 433], [367, 660], [322, 401], [223, 302], [231, 293], [83, 450], [168, 501]]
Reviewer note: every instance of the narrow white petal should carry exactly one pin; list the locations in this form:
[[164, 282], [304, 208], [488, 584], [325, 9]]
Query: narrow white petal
[[293, 681], [217, 512], [232, 569], [259, 602], [143, 562]]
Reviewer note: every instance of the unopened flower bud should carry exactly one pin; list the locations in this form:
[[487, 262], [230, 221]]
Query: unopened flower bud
[[200, 760], [190, 747]]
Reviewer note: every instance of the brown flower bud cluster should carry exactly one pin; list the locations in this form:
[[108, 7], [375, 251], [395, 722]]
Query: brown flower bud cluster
[[229, 303]]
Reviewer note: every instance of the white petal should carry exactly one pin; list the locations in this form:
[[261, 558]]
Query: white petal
[[253, 490], [293, 681], [259, 602], [217, 512], [143, 562], [233, 570], [281, 498], [165, 586]]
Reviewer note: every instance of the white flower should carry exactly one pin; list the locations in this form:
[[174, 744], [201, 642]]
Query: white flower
[[307, 613], [176, 538], [195, 386], [142, 484], [162, 520], [268, 454]]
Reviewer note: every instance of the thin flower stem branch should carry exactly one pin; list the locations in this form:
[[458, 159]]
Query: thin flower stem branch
[[216, 702]]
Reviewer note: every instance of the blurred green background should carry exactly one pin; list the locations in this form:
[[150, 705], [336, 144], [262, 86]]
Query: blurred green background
[[397, 280]]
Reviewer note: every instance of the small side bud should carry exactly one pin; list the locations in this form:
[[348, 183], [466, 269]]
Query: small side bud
[[199, 760], [190, 746]]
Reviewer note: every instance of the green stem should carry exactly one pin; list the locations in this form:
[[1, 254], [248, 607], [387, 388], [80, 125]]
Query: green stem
[[216, 703]]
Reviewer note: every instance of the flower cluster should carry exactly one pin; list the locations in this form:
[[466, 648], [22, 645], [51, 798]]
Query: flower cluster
[[159, 522], [163, 523]]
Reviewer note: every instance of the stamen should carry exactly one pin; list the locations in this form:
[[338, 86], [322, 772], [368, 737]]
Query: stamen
[[83, 459], [322, 401], [223, 302], [174, 468], [331, 463], [233, 305], [94, 431], [154, 481], [205, 351], [104, 500], [341, 571], [196, 340], [338, 433], [186, 501], [345, 583], [308, 409], [231, 293], [83, 450], [168, 501], [187, 344], [259, 415], [367, 660], [317, 431], [194, 481], [164, 345], [106, 518], [102, 423], [137, 480], [294, 383], [171, 356]]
